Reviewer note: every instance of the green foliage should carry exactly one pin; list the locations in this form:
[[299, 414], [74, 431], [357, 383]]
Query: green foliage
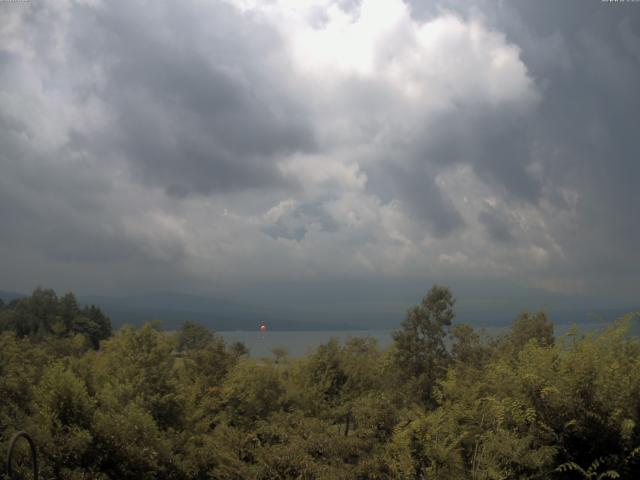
[[148, 404], [252, 392], [61, 422], [193, 336], [280, 354], [467, 346], [527, 327], [45, 315], [420, 352], [239, 349], [139, 365]]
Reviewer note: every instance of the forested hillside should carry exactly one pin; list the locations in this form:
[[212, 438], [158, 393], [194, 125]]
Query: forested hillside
[[442, 402]]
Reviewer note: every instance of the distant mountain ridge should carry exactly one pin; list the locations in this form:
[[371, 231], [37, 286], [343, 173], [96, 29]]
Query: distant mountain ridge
[[7, 296], [222, 314], [216, 313], [174, 308]]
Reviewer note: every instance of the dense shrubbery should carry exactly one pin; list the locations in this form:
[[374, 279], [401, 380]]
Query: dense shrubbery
[[44, 316], [149, 404]]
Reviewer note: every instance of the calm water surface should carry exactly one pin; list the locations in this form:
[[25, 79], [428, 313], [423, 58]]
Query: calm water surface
[[299, 343]]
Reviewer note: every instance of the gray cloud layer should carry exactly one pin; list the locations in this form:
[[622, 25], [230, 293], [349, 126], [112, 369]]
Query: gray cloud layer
[[227, 145]]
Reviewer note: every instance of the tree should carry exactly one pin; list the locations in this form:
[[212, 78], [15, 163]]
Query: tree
[[467, 347], [419, 346], [61, 423], [252, 392], [193, 336], [238, 349], [528, 327], [280, 353], [44, 315], [97, 327], [138, 364], [68, 309]]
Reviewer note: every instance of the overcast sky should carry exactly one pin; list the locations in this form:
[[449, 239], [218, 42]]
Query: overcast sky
[[336, 152]]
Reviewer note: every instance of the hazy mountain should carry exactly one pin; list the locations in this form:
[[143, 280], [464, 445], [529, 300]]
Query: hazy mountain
[[217, 313], [225, 314], [8, 296]]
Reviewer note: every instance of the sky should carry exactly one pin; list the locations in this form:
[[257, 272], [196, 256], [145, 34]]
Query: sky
[[337, 155]]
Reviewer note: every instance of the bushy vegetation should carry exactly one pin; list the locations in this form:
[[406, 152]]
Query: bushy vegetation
[[441, 403]]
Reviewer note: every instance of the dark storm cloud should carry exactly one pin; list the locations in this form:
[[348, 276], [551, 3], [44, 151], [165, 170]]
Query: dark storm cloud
[[199, 103], [495, 142], [114, 113], [191, 101], [56, 201], [584, 57], [423, 200], [586, 127], [497, 224], [65, 212], [495, 139]]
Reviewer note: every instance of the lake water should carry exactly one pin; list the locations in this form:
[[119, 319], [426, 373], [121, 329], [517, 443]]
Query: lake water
[[299, 343]]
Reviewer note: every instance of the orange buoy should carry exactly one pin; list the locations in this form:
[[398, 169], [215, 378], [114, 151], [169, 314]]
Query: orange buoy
[[262, 327]]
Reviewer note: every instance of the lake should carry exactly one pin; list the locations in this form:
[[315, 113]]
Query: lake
[[299, 343]]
